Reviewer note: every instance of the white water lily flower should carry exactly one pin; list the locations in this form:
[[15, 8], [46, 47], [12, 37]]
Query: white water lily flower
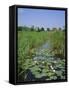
[[35, 61], [52, 68], [43, 62]]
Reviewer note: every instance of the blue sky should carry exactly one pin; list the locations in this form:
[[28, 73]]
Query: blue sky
[[41, 18]]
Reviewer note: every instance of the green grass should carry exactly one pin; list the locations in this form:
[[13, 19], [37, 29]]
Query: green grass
[[58, 43], [28, 42]]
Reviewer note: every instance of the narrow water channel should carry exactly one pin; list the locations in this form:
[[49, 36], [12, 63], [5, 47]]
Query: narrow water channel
[[43, 52]]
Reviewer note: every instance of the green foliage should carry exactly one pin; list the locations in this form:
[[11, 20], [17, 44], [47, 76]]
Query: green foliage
[[32, 28], [42, 29], [58, 43], [48, 29], [20, 28]]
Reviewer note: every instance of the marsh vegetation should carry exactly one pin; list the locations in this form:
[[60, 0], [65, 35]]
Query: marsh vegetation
[[41, 54]]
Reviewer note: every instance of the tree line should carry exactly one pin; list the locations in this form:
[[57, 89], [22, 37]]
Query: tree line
[[32, 28]]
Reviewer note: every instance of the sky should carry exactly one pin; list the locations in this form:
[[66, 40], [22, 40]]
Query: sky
[[41, 18]]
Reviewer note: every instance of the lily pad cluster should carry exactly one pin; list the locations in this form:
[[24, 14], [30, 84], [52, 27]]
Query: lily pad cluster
[[43, 70]]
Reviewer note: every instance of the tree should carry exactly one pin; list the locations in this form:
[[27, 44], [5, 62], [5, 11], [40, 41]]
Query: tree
[[32, 28], [38, 29], [42, 29], [60, 28], [63, 28], [54, 29], [20, 28], [48, 29]]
